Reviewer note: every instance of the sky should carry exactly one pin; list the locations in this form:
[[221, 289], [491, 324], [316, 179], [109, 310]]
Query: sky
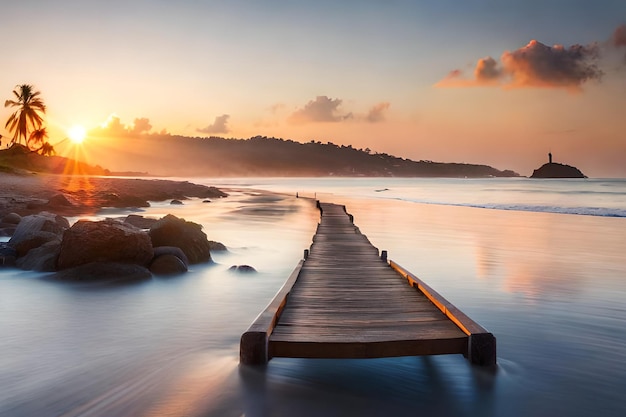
[[495, 82]]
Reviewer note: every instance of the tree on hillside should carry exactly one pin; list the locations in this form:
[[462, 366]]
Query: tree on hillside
[[37, 142], [29, 113], [47, 149]]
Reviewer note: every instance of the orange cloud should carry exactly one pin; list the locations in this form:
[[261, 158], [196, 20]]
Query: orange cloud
[[539, 65], [377, 113], [619, 36], [534, 65], [486, 72]]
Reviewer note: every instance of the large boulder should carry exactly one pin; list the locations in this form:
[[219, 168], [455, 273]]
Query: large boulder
[[104, 241], [41, 259], [188, 236], [35, 230], [103, 271]]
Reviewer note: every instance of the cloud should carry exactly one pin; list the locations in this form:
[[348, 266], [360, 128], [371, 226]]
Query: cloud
[[322, 109], [487, 70], [113, 126], [619, 36], [534, 65], [141, 125], [220, 125], [277, 108], [377, 113], [539, 65]]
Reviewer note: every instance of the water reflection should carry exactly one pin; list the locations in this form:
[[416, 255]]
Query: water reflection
[[550, 287]]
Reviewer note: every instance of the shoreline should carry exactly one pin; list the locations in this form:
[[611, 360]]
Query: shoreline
[[68, 195]]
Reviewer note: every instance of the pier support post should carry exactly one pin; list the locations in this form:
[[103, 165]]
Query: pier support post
[[253, 348], [482, 349], [383, 255], [306, 254]]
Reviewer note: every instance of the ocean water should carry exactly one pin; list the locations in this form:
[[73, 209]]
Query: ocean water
[[541, 264]]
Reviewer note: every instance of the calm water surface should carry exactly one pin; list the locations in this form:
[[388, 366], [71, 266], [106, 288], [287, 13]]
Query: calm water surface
[[550, 285]]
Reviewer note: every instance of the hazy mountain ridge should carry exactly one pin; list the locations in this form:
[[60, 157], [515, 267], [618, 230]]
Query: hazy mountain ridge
[[267, 156]]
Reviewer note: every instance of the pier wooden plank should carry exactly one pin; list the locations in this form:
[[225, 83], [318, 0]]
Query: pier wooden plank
[[344, 301]]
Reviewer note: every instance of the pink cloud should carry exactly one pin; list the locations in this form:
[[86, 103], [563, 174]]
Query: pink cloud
[[534, 65], [377, 112], [619, 36]]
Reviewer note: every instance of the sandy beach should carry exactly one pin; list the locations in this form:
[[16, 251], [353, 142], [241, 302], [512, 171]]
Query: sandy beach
[[75, 195]]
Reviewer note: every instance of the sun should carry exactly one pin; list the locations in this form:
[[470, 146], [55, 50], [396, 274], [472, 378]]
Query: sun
[[77, 134]]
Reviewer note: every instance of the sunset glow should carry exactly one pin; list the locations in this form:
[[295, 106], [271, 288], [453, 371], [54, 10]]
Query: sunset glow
[[77, 134], [318, 71]]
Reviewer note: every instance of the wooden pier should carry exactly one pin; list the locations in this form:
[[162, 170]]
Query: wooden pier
[[345, 301]]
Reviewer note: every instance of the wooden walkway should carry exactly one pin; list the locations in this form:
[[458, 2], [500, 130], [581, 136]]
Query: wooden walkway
[[345, 301]]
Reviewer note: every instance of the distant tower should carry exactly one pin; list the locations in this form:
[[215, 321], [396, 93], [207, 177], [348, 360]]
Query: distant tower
[[550, 157]]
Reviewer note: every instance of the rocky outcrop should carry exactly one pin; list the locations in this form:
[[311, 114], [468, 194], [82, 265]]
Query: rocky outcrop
[[35, 230], [556, 170], [188, 236], [104, 241], [107, 249]]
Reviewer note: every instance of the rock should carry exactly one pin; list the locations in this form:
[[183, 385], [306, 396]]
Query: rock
[[206, 201], [246, 269], [167, 265], [139, 221], [109, 199], [217, 246], [176, 203], [11, 218], [59, 200], [103, 271], [104, 241], [7, 255], [35, 230], [6, 229], [171, 250], [188, 236], [556, 170], [41, 259]]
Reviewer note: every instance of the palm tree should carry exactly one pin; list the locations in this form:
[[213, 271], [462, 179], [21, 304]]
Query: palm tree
[[46, 149], [37, 137], [28, 116]]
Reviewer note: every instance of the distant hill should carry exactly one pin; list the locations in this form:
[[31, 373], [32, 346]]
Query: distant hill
[[262, 156], [18, 158]]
